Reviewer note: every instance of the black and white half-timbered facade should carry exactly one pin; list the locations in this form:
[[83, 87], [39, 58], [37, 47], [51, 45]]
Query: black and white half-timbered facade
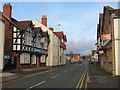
[[44, 43], [28, 44]]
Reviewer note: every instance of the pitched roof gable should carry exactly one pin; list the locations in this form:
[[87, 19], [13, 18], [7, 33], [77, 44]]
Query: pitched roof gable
[[60, 34], [24, 24]]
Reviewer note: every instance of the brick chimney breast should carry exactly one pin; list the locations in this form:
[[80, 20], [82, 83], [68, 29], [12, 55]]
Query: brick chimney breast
[[44, 20], [7, 10]]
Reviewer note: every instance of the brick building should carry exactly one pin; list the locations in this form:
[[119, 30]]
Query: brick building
[[76, 57], [106, 40], [25, 45]]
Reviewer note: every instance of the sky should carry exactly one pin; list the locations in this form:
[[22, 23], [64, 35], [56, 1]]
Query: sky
[[78, 20]]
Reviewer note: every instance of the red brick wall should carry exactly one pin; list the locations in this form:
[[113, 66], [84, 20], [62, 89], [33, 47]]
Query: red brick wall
[[8, 38], [44, 21], [7, 10]]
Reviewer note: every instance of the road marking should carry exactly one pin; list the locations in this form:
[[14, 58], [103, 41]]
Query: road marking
[[35, 85], [24, 77], [66, 71], [80, 83], [56, 76], [83, 79]]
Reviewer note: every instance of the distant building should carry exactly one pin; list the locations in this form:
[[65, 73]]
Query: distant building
[[76, 57], [108, 40]]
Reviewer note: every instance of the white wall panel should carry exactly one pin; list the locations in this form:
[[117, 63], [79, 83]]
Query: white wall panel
[[117, 45]]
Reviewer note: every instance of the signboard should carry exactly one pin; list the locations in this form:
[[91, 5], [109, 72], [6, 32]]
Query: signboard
[[37, 50], [101, 52], [106, 37]]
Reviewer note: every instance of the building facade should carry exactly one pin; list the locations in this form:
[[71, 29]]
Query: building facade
[[24, 43], [9, 59], [108, 40], [2, 36], [31, 43], [62, 47], [55, 53]]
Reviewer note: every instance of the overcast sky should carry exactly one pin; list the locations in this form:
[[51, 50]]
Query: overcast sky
[[78, 20]]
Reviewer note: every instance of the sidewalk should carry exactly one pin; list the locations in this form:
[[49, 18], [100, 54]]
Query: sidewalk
[[19, 73], [99, 78]]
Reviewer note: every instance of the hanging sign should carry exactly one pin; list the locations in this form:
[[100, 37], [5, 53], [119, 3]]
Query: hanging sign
[[106, 37]]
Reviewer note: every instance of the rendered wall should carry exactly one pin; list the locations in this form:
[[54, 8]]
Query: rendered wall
[[2, 29], [117, 45]]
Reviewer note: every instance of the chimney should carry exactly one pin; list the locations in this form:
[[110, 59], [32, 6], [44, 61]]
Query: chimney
[[44, 20], [51, 28], [7, 10]]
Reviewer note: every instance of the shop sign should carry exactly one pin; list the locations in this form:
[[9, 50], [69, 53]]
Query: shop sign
[[106, 37], [101, 52], [37, 50]]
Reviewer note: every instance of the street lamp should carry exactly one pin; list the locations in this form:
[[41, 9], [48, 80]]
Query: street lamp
[[56, 27]]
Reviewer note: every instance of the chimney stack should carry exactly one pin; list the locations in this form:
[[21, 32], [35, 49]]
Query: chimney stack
[[7, 10], [44, 20]]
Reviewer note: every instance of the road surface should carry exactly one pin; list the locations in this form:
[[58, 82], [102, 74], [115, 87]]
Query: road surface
[[68, 76]]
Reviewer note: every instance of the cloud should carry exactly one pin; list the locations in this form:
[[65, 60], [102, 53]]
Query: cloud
[[82, 46]]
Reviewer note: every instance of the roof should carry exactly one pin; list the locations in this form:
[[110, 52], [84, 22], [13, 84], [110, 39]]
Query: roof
[[60, 34], [24, 24], [65, 38], [52, 29], [37, 30], [45, 34], [2, 15], [62, 45]]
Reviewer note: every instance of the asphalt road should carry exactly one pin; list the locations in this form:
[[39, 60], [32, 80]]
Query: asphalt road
[[64, 77]]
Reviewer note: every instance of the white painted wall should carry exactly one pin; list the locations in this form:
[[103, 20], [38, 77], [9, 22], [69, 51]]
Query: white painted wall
[[53, 48], [2, 33], [117, 45]]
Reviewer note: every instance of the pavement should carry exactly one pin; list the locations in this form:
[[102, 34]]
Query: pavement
[[18, 73], [99, 78]]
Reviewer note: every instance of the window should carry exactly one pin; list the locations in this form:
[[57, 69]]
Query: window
[[14, 41], [24, 58], [33, 58], [14, 29], [14, 47], [18, 41], [18, 47], [14, 35]]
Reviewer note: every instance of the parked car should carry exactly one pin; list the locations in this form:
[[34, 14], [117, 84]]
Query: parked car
[[80, 61], [73, 62]]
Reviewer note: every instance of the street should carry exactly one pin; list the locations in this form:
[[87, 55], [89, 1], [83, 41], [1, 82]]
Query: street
[[65, 77]]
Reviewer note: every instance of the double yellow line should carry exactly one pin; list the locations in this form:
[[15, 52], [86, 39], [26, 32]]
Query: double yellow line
[[82, 79]]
